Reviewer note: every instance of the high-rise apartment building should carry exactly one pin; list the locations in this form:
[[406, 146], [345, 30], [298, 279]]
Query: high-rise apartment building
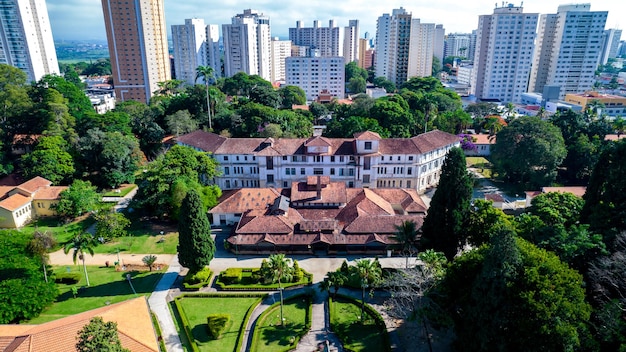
[[366, 54], [568, 49], [189, 41], [504, 53], [281, 49], [137, 39], [26, 38], [392, 45], [321, 41], [351, 41], [421, 49], [213, 50], [248, 45], [610, 45], [457, 44], [439, 43], [317, 74]]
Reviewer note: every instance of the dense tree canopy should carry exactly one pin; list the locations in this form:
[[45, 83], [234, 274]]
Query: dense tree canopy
[[195, 245], [99, 336], [50, 160]]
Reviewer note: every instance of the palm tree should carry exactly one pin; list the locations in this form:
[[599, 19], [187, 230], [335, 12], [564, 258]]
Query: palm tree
[[280, 269], [207, 74], [406, 235], [81, 242], [428, 105], [619, 125], [509, 109], [494, 125], [168, 87], [333, 279], [369, 272], [41, 243]]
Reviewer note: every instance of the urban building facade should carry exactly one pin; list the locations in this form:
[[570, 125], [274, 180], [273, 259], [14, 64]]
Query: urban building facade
[[503, 54], [281, 49], [213, 50], [421, 49], [457, 44], [189, 42], [363, 161], [316, 74], [351, 41], [610, 45], [320, 41], [392, 45], [366, 54], [137, 39], [26, 38], [248, 45], [568, 49], [614, 105]]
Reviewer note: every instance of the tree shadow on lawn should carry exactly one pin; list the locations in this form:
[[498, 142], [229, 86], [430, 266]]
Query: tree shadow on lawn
[[282, 335], [142, 284], [200, 334], [366, 335]]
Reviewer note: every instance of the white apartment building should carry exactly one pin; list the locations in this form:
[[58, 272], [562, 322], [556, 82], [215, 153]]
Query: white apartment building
[[213, 51], [504, 53], [363, 161], [248, 45], [189, 41], [421, 49], [316, 74], [464, 74], [323, 40], [439, 43], [351, 41], [281, 49], [610, 45], [392, 45], [26, 38], [457, 44], [568, 49]]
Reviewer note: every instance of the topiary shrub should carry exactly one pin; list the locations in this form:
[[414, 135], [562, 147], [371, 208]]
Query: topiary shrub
[[67, 278], [197, 280], [298, 273], [216, 324], [231, 276]]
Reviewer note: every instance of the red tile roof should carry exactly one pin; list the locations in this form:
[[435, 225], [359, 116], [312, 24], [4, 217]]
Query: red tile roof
[[35, 183], [14, 202], [578, 191], [50, 193], [367, 135]]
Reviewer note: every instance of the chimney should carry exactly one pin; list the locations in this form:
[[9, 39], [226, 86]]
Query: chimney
[[318, 187]]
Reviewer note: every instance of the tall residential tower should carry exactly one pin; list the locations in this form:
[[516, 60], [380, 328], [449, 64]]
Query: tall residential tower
[[248, 45], [189, 41], [26, 38], [137, 39], [319, 41]]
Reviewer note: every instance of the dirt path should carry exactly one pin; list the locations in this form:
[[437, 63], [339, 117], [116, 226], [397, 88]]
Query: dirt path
[[60, 258]]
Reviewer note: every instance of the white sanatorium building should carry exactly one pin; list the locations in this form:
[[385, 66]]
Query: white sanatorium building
[[367, 160]]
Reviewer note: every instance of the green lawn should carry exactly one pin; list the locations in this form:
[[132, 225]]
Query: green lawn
[[355, 336], [269, 336], [123, 191], [481, 164], [198, 308], [107, 286], [249, 280], [60, 231], [142, 244]]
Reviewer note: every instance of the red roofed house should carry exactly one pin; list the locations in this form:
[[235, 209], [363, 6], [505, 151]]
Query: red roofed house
[[578, 191], [24, 202], [134, 327], [316, 215], [366, 160]]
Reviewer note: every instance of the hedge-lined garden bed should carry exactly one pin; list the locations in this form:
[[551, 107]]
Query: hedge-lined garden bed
[[345, 320], [195, 309], [249, 279], [270, 336]]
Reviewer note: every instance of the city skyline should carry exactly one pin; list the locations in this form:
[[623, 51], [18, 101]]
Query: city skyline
[[82, 20]]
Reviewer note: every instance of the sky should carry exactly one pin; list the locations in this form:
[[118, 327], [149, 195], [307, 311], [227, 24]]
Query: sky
[[83, 19]]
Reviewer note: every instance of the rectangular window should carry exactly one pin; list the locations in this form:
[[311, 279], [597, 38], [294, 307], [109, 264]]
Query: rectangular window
[[225, 157], [285, 157], [318, 171], [302, 171], [270, 178], [408, 184], [332, 170], [226, 170], [350, 172], [284, 184], [368, 145], [332, 159], [270, 162], [341, 159], [409, 171], [410, 157], [237, 157], [366, 178]]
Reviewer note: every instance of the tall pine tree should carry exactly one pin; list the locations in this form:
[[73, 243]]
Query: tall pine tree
[[450, 206], [195, 245]]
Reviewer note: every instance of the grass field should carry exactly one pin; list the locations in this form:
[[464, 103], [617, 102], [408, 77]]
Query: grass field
[[345, 321], [142, 244], [270, 336], [481, 164], [107, 286], [123, 191], [60, 231], [197, 310]]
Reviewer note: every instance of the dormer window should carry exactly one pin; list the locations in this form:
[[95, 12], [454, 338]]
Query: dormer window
[[368, 145]]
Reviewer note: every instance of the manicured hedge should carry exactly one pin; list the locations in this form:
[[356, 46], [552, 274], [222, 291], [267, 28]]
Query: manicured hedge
[[67, 278], [186, 326], [197, 280], [216, 324], [231, 276], [248, 279]]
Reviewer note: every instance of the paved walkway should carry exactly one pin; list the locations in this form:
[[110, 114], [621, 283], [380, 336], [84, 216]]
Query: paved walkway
[[319, 335], [158, 302]]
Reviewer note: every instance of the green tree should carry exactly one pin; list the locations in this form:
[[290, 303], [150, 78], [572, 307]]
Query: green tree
[[528, 151], [383, 82], [79, 198], [333, 279], [346, 128], [100, 67], [181, 122], [195, 245], [39, 246], [450, 207], [207, 73], [353, 70], [111, 225], [484, 221], [265, 95], [280, 269], [370, 272], [14, 99], [318, 110], [77, 102], [292, 95], [49, 159], [81, 244], [356, 85], [406, 237], [99, 336]]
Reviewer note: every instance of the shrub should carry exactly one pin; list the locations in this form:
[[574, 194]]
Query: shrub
[[216, 324], [198, 279], [67, 278], [298, 273], [231, 276]]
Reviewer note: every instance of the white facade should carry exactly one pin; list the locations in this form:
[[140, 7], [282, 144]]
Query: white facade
[[393, 37], [351, 41], [315, 74], [610, 45], [248, 45], [102, 102], [26, 38], [212, 49], [323, 40], [281, 49], [568, 49], [457, 45], [503, 54], [439, 43], [421, 49], [189, 41], [464, 74]]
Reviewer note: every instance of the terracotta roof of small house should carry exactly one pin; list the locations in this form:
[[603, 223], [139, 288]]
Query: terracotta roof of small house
[[614, 137], [133, 323], [494, 197], [14, 202], [578, 191], [50, 193], [34, 184], [331, 192], [483, 139], [207, 141], [241, 200]]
